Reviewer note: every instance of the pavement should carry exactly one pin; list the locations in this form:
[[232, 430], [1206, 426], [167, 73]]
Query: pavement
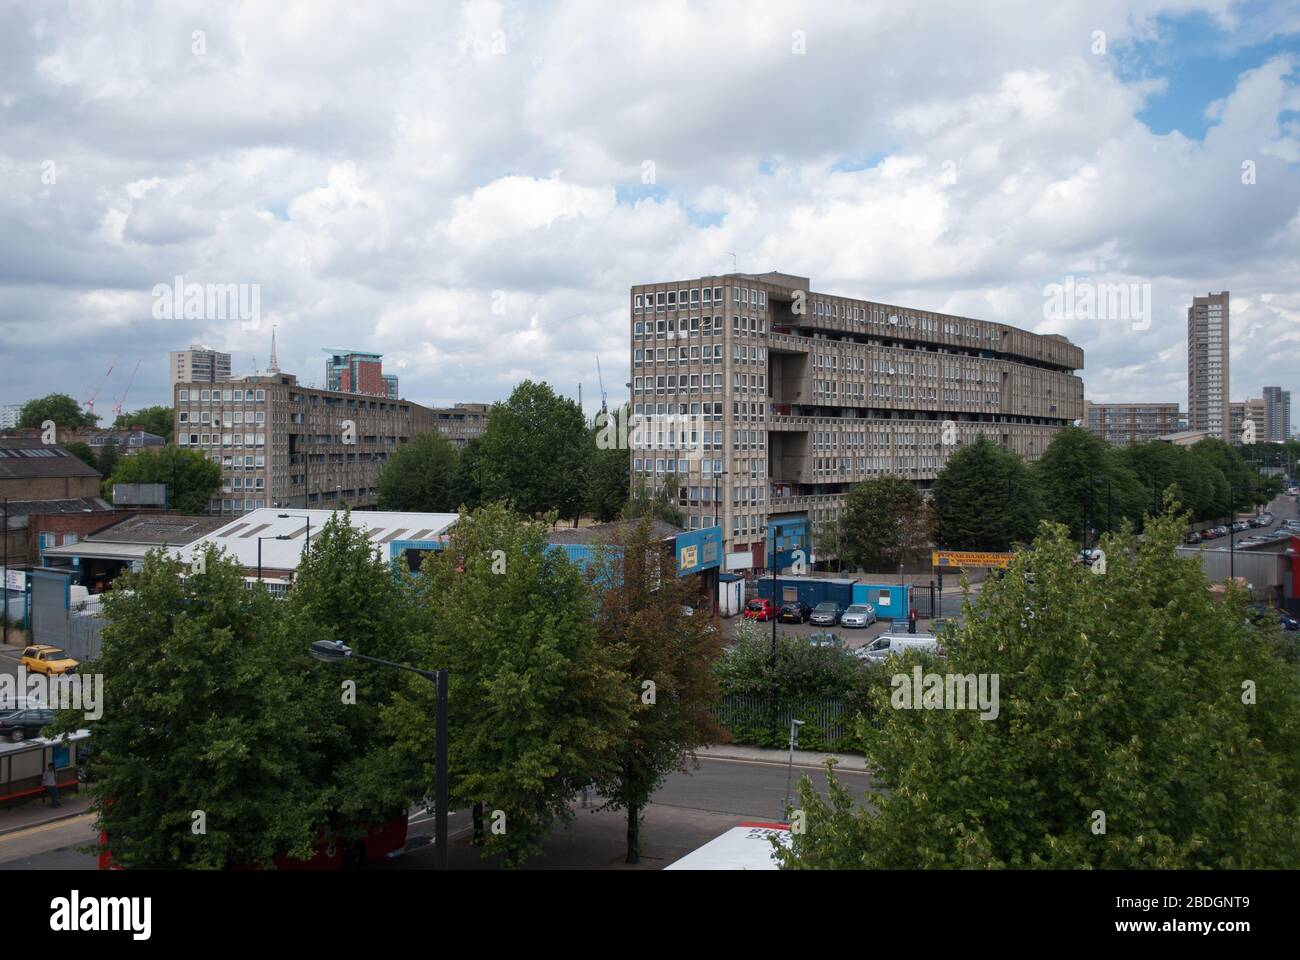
[[35, 813], [801, 758]]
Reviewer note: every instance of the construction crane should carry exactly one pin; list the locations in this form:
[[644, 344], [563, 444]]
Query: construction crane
[[89, 402], [601, 378], [117, 407]]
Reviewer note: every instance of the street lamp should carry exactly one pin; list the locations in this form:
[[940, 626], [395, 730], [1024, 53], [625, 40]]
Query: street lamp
[[789, 769], [1097, 481], [334, 651], [298, 516], [282, 536]]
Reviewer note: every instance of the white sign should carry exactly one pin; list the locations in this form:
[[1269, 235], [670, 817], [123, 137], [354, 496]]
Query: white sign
[[740, 560], [15, 580]]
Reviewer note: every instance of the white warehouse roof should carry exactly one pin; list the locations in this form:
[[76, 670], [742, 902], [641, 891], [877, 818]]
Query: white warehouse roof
[[239, 537]]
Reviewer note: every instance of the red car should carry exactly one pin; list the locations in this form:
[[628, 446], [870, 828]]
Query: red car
[[759, 610]]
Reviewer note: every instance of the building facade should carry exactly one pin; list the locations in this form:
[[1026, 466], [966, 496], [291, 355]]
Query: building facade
[[281, 444], [1207, 366], [462, 423], [9, 414], [766, 401], [1122, 424], [199, 364], [349, 371], [1277, 415]]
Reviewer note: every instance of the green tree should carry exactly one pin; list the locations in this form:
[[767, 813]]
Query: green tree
[[1086, 485], [608, 474], [157, 420], [828, 542], [344, 589], [465, 489], [984, 498], [657, 503], [108, 460], [83, 453], [419, 476], [191, 478], [536, 704], [204, 708], [885, 523], [1133, 694], [60, 408], [534, 451], [666, 653]]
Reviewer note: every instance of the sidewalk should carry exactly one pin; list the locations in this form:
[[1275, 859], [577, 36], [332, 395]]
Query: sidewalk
[[38, 812], [807, 758]]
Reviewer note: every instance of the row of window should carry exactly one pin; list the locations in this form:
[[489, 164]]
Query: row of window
[[228, 418], [221, 439], [706, 383], [672, 355], [695, 297], [229, 395], [673, 465]]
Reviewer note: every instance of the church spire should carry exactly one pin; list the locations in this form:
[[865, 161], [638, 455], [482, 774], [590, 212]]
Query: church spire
[[275, 366]]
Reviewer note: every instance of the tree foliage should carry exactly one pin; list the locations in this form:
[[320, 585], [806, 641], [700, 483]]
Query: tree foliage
[[59, 407], [885, 523], [191, 478], [1133, 695], [536, 703], [157, 420], [420, 476], [533, 452], [984, 498], [666, 654]]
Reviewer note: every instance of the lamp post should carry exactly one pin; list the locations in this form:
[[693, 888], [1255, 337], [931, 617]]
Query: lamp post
[[1232, 531], [4, 532], [282, 536], [298, 516], [334, 651], [1097, 481], [789, 767]]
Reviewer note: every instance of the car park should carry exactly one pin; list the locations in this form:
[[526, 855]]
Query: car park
[[796, 611], [759, 609], [826, 614], [858, 615]]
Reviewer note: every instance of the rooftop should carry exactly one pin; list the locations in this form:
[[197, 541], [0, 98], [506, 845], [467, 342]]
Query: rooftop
[[28, 457]]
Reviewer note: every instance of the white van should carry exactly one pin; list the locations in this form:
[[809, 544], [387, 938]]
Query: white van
[[888, 644]]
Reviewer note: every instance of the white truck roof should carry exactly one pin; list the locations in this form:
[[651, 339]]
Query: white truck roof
[[743, 847]]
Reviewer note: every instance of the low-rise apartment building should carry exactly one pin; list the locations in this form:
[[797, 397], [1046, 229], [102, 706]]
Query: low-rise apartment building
[[281, 444], [1122, 424], [766, 401], [462, 423]]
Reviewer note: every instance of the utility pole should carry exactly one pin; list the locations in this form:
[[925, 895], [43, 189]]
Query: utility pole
[[6, 581]]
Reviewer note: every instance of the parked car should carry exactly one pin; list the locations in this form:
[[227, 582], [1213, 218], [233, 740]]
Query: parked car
[[24, 723], [1240, 525], [888, 644], [858, 615], [46, 659], [823, 640], [826, 614], [1193, 538], [796, 611], [759, 609]]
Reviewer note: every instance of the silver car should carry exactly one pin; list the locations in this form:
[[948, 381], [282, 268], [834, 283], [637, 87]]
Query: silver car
[[859, 615]]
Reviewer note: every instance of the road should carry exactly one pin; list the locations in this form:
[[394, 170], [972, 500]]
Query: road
[[689, 810]]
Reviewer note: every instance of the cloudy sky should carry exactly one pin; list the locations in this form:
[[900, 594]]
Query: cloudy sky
[[471, 188]]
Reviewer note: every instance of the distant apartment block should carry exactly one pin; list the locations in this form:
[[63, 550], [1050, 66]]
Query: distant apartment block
[[1207, 366], [793, 396], [350, 371], [1277, 415], [9, 414], [281, 444], [1122, 424], [199, 364], [462, 423]]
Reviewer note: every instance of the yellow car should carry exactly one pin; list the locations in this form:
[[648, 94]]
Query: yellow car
[[43, 658]]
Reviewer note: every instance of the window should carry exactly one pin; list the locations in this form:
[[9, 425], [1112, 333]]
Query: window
[[637, 305]]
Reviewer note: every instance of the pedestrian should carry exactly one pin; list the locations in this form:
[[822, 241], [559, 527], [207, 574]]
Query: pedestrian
[[51, 784], [911, 620]]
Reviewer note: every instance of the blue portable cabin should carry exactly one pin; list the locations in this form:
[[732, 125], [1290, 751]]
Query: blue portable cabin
[[890, 600], [811, 590]]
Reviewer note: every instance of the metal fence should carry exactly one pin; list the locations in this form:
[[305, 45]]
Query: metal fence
[[85, 637], [827, 724]]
